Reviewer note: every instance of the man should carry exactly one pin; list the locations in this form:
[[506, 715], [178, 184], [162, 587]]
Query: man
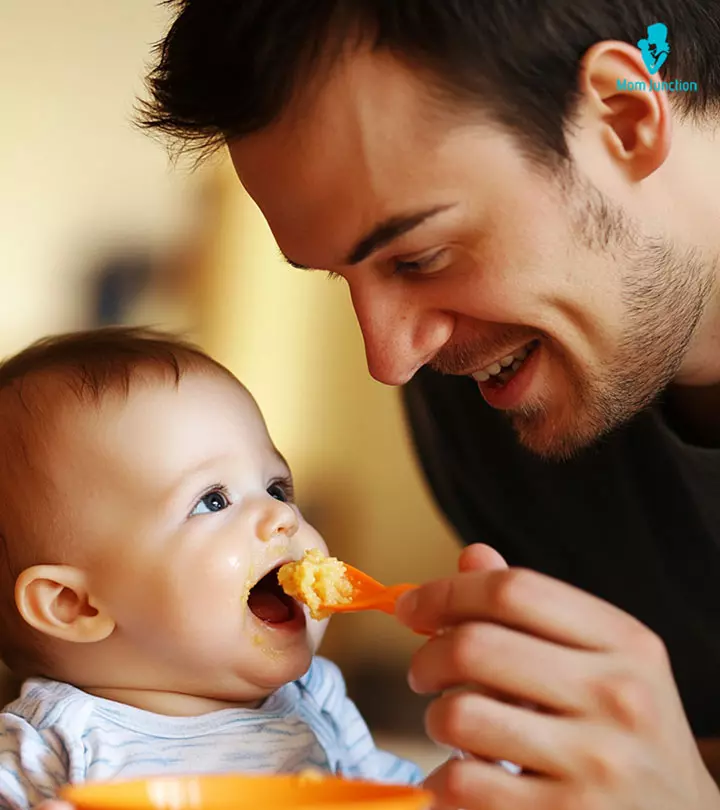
[[526, 218]]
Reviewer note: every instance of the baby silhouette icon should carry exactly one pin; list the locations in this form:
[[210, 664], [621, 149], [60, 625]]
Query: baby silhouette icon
[[655, 48]]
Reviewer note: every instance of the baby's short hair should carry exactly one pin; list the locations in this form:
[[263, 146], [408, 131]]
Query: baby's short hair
[[84, 367]]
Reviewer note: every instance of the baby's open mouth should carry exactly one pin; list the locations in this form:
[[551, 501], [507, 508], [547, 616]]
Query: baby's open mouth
[[270, 603]]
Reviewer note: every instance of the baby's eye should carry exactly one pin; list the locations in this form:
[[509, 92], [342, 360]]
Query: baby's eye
[[214, 501], [281, 491]]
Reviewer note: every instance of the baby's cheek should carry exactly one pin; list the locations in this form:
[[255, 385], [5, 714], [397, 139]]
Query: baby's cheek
[[277, 550], [311, 538], [316, 631], [225, 578]]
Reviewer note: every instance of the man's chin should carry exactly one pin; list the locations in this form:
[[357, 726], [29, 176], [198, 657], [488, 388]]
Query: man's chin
[[552, 438]]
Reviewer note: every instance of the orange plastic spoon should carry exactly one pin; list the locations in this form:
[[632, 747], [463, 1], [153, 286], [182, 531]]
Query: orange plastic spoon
[[369, 594]]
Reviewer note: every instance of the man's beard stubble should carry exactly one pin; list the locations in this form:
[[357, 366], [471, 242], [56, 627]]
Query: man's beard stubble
[[664, 292], [665, 289]]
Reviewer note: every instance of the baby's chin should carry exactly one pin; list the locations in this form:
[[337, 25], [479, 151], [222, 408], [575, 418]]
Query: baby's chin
[[252, 683], [278, 670], [279, 655]]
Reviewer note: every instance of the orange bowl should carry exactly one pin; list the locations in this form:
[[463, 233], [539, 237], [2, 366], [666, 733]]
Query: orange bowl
[[243, 792]]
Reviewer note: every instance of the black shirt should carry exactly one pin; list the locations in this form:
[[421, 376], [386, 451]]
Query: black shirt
[[635, 519]]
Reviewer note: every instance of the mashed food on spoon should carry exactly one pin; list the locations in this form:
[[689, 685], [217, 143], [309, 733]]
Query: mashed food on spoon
[[317, 581]]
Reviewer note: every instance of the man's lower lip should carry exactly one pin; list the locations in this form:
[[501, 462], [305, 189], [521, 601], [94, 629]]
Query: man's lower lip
[[511, 394]]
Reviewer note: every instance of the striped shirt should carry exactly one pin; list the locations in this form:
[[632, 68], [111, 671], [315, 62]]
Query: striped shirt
[[56, 734]]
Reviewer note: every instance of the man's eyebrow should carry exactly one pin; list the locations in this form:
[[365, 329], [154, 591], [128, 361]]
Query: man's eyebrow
[[382, 234], [389, 230]]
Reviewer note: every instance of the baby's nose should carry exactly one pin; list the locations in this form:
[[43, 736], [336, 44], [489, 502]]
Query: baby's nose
[[279, 520]]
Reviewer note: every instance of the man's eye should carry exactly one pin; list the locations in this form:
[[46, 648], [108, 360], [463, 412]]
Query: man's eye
[[423, 265], [215, 501], [281, 491]]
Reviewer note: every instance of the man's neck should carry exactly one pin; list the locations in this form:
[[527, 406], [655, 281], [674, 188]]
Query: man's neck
[[692, 403], [694, 413]]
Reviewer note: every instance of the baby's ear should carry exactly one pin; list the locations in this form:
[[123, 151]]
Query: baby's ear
[[55, 600]]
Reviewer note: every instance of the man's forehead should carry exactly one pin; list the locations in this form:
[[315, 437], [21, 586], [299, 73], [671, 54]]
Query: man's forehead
[[313, 198], [373, 147], [327, 174]]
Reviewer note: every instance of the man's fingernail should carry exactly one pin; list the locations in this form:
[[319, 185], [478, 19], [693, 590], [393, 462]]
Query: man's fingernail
[[407, 603]]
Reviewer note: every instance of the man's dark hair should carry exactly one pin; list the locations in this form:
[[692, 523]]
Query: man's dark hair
[[229, 68]]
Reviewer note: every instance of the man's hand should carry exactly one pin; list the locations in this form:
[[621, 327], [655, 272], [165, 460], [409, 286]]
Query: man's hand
[[607, 731]]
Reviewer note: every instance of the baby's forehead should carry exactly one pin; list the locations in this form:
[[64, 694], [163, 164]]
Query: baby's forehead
[[157, 430], [63, 426], [153, 405]]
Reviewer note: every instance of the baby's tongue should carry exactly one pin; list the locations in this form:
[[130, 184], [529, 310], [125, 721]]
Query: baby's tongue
[[268, 606]]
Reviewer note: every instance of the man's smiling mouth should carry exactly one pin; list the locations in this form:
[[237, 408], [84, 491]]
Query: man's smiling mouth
[[503, 370]]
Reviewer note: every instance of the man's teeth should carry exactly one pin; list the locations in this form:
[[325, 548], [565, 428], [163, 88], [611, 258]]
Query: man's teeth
[[512, 361]]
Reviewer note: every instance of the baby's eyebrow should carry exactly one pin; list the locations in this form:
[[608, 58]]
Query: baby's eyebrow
[[187, 474]]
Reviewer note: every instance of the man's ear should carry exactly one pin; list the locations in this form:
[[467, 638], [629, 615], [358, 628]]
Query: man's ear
[[618, 93], [55, 600]]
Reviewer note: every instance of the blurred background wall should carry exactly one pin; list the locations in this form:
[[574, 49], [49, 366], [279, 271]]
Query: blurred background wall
[[98, 227]]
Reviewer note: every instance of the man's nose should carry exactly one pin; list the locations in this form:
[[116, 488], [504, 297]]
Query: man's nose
[[400, 335]]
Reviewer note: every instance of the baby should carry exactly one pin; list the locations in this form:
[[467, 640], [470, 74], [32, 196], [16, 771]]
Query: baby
[[144, 513]]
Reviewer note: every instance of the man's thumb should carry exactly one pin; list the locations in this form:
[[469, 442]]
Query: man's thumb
[[479, 557]]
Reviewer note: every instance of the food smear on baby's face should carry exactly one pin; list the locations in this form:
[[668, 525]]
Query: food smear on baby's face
[[280, 550], [266, 647], [247, 587], [317, 581]]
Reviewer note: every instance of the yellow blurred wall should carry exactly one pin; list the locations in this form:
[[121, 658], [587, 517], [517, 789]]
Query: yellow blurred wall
[[77, 179]]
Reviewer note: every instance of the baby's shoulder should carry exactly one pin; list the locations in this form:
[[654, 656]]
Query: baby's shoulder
[[323, 684], [322, 671], [41, 741], [45, 704]]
